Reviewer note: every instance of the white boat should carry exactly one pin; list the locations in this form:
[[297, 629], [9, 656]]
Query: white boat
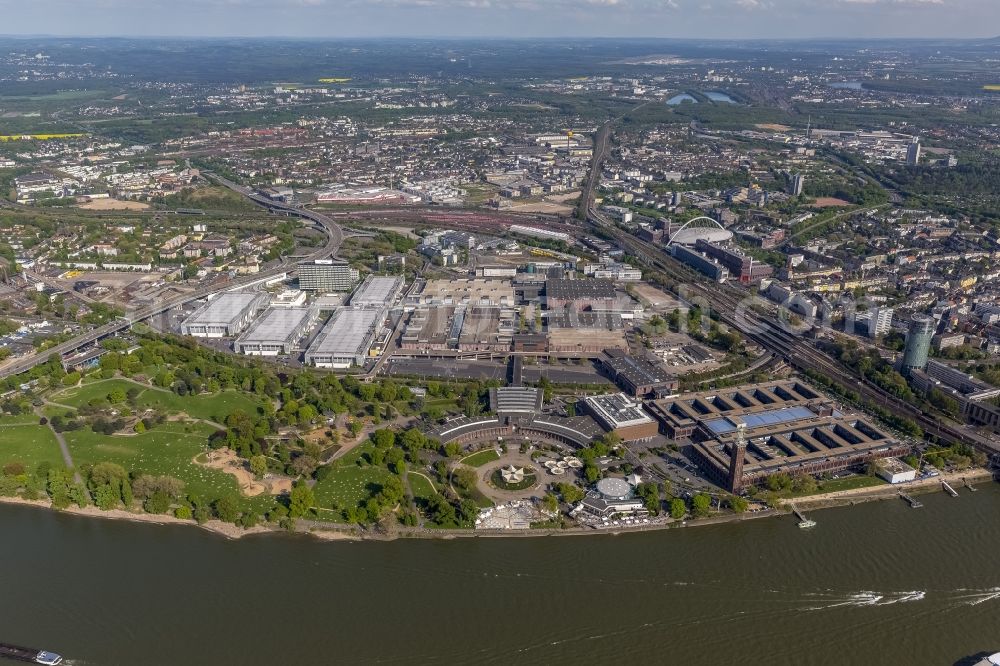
[[807, 523], [29, 655], [48, 658], [992, 660]]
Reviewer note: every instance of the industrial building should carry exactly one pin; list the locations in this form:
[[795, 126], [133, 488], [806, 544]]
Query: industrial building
[[622, 415], [326, 275], [276, 331], [572, 332], [740, 436], [466, 328], [637, 377], [346, 338], [539, 233], [462, 291], [226, 315], [580, 295], [377, 291]]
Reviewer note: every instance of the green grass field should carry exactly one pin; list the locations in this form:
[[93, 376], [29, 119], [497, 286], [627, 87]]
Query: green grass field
[[28, 444], [20, 419], [87, 391], [349, 484], [849, 483], [422, 488], [167, 449], [214, 407], [481, 458]]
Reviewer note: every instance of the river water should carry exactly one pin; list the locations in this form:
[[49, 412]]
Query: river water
[[878, 583]]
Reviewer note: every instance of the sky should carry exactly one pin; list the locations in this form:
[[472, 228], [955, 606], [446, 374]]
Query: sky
[[723, 19]]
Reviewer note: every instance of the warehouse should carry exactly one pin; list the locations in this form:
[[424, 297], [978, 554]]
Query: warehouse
[[346, 339], [622, 415], [463, 291], [636, 376], [584, 333], [377, 291], [432, 328], [580, 294], [276, 331], [226, 315]]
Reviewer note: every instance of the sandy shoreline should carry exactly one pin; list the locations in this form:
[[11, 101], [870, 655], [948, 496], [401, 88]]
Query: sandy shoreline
[[811, 503]]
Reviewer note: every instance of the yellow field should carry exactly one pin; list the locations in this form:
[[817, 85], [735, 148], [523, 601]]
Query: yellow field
[[39, 137], [995, 87], [334, 80]]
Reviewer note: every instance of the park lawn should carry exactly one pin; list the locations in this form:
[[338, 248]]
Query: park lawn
[[211, 407], [481, 458], [29, 444], [169, 449], [20, 419], [349, 484], [446, 404], [422, 488], [849, 483], [77, 396]]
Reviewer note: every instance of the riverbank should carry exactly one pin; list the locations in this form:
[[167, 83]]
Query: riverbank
[[956, 480], [227, 530], [353, 533]]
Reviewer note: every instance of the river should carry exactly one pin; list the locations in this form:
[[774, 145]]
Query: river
[[878, 583]]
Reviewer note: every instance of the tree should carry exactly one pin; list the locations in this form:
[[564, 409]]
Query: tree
[[158, 502], [550, 503], [678, 509], [106, 497], [383, 438], [701, 505], [139, 427], [570, 493], [300, 500], [227, 509], [106, 473], [258, 465], [650, 493], [737, 504]]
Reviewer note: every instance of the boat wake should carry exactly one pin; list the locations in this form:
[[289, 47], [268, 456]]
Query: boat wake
[[870, 598], [976, 597]]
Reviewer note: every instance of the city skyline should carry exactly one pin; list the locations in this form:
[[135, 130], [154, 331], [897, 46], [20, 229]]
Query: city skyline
[[708, 19]]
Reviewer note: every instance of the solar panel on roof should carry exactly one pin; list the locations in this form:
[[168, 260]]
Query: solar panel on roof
[[761, 419]]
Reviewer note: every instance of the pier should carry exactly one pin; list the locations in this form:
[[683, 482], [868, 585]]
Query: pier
[[951, 491], [968, 485], [803, 521], [913, 502]]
